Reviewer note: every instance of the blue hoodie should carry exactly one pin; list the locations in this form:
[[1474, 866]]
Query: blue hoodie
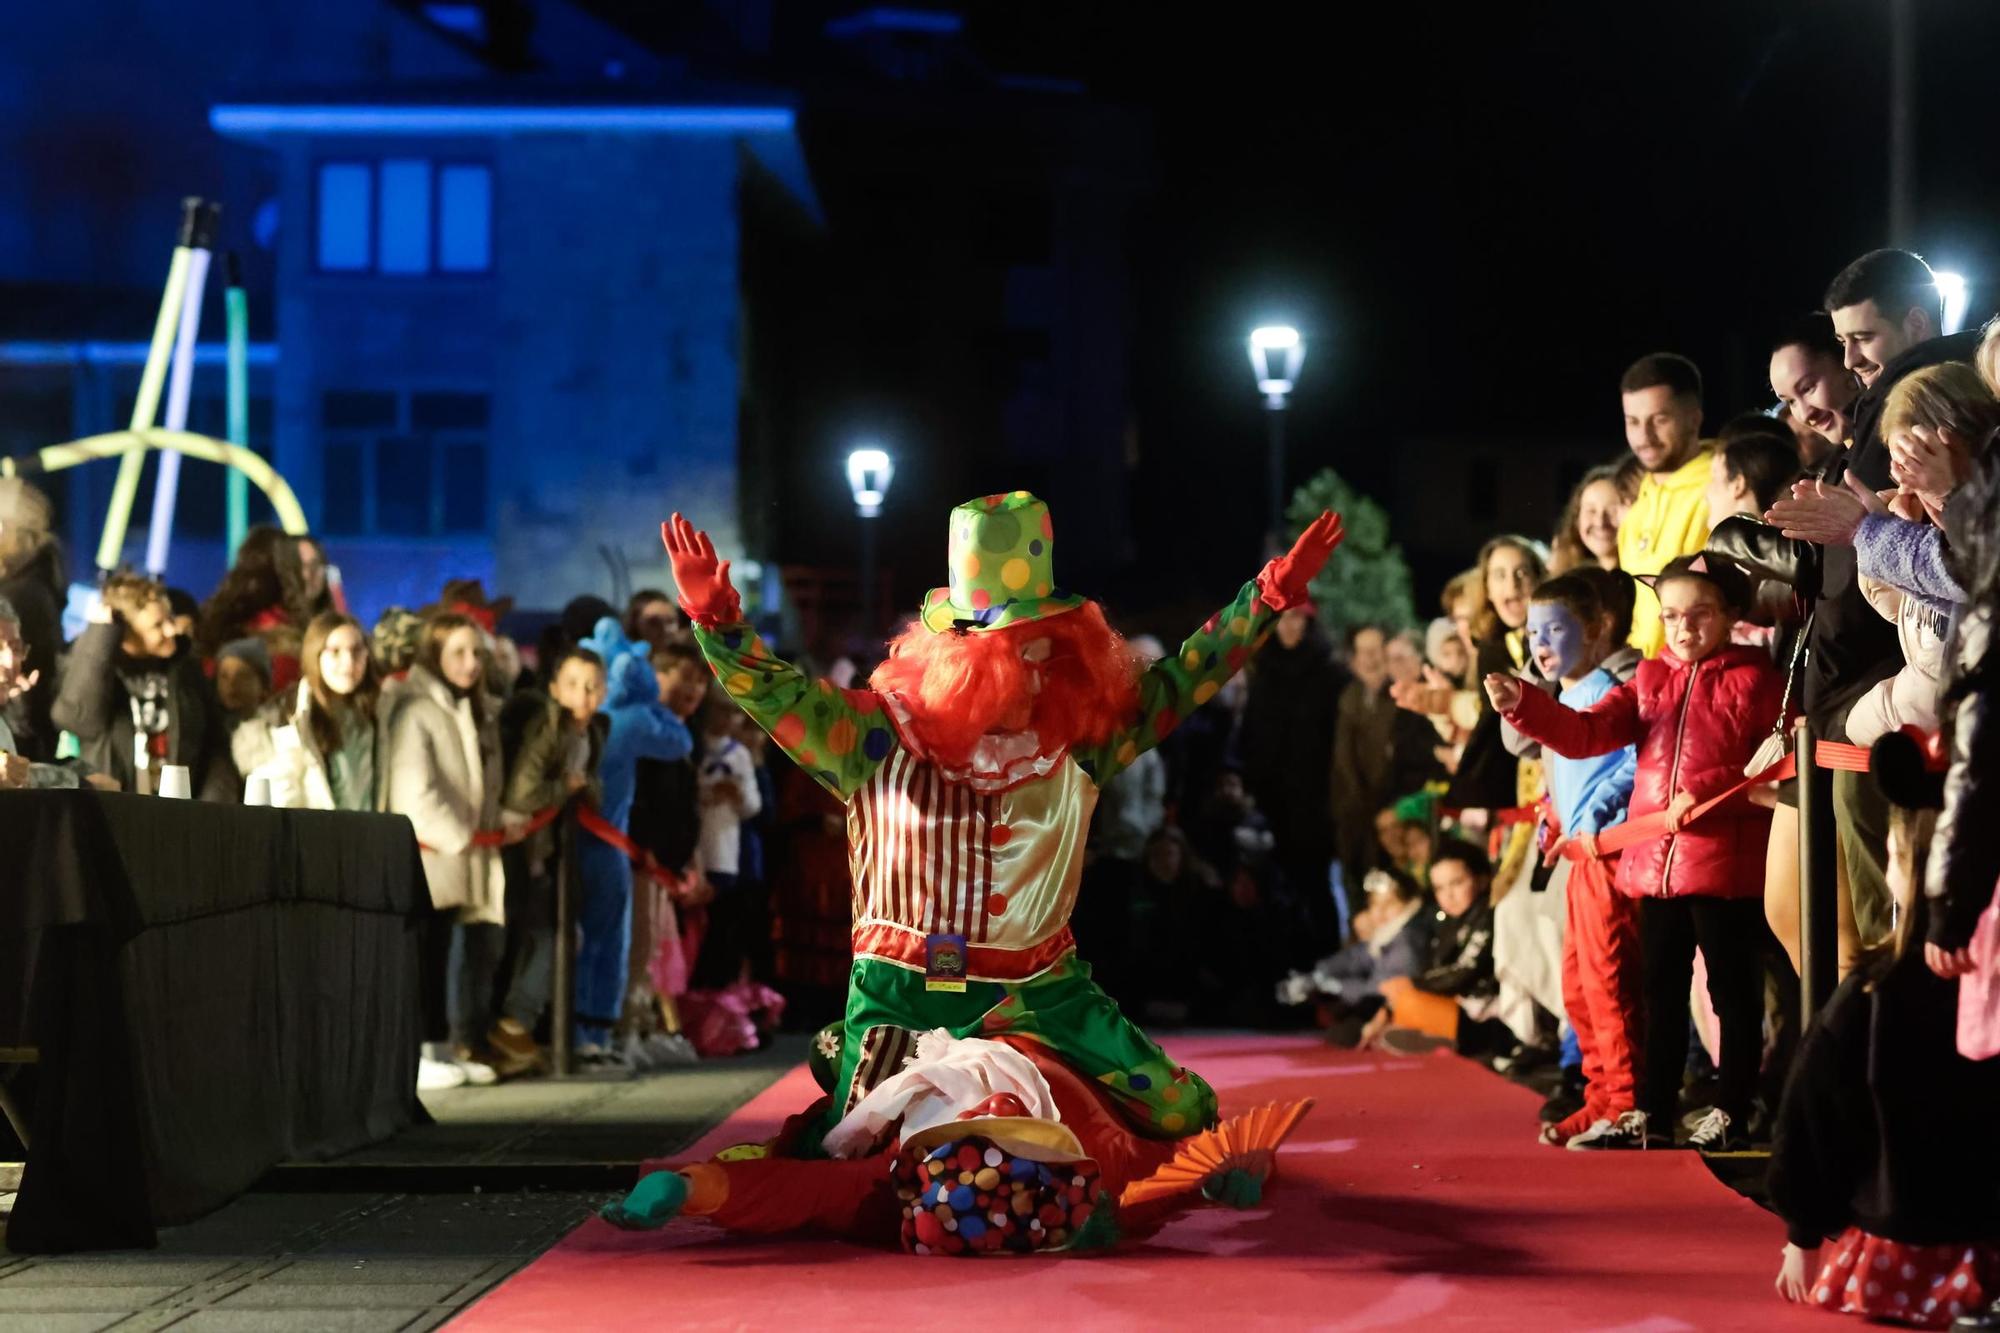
[[641, 726], [1590, 795]]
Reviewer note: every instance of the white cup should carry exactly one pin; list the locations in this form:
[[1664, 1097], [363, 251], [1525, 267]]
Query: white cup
[[257, 789], [174, 782]]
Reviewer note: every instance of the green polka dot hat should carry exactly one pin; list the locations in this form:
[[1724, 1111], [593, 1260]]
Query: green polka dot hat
[[1002, 567]]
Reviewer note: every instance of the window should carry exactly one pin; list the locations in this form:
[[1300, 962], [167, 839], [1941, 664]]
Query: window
[[346, 203], [404, 217], [403, 464]]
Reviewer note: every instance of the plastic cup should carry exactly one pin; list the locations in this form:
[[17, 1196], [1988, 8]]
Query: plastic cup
[[257, 789], [174, 782]]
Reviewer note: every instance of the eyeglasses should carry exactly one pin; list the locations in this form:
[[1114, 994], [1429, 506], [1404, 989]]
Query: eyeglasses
[[1695, 618]]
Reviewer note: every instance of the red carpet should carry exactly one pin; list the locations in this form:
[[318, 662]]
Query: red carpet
[[1413, 1197]]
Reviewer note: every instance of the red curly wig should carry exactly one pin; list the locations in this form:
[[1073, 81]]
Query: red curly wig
[[959, 687]]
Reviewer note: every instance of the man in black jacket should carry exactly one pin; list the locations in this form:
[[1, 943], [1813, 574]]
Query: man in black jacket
[[1888, 314], [138, 700]]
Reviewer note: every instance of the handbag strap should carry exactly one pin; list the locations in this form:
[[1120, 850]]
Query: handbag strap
[[1792, 672]]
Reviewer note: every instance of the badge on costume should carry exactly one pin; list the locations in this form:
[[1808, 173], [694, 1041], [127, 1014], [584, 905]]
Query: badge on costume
[[944, 962]]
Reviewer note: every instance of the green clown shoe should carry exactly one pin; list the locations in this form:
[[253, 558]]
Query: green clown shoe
[[653, 1202], [1002, 561]]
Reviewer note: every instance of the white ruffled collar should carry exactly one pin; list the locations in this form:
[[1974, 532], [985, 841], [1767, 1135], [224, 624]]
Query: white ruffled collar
[[1000, 760]]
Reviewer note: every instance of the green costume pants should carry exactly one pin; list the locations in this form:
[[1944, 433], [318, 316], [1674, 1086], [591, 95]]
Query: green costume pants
[[888, 1007]]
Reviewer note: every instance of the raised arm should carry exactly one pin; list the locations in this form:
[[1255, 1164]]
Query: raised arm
[[1609, 724], [1177, 684], [839, 737]]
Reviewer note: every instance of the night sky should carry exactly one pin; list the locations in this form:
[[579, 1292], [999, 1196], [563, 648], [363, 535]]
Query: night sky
[[1481, 214]]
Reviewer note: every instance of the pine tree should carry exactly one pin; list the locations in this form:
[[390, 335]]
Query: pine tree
[[1367, 582]]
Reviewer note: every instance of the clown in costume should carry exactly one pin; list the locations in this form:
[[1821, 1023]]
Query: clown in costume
[[969, 771]]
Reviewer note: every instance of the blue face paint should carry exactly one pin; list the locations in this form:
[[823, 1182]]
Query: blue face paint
[[1556, 638]]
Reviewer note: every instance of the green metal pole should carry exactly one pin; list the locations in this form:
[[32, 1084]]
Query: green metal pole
[[236, 310], [111, 546]]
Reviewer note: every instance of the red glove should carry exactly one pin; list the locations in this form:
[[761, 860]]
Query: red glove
[[706, 594], [1284, 580]]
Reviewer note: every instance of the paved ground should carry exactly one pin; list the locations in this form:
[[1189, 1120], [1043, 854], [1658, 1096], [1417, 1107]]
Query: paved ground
[[402, 1235]]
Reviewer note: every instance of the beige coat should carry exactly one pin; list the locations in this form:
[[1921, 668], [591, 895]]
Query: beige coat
[[297, 771], [1910, 697], [443, 771]]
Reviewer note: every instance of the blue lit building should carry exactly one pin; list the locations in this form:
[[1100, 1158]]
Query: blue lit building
[[527, 274], [512, 331]]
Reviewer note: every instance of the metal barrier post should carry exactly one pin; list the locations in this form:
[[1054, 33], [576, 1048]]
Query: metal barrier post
[[562, 999], [1819, 879]]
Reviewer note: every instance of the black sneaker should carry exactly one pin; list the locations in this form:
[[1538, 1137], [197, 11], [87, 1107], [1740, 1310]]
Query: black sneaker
[[1626, 1132], [1716, 1132], [1410, 1041]]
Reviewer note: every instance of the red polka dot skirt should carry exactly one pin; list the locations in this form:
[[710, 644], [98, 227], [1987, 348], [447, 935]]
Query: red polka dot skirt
[[1922, 1286]]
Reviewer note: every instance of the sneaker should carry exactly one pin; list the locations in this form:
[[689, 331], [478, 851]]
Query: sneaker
[[1559, 1132], [666, 1049], [1409, 1041], [513, 1048], [591, 1056], [1627, 1131], [1716, 1132], [478, 1073], [437, 1075]]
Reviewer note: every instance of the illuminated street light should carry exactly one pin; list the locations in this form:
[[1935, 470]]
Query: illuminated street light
[[1275, 384], [1276, 353], [1951, 286], [869, 471]]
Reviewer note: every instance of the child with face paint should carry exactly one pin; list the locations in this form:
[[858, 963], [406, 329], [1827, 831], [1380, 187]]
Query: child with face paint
[[1697, 714], [1576, 622]]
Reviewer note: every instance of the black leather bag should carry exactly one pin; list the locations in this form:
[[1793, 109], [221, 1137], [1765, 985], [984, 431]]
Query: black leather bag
[[1784, 572]]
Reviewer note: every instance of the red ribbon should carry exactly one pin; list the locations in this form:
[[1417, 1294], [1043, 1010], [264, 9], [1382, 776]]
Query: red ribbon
[[481, 616], [590, 822]]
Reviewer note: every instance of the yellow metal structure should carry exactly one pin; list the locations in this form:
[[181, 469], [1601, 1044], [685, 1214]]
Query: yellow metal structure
[[129, 447]]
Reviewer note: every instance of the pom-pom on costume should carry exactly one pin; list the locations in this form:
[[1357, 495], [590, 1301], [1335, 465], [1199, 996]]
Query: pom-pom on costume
[[969, 771], [1003, 1149]]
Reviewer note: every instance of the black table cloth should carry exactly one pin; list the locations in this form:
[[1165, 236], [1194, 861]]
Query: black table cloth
[[211, 989]]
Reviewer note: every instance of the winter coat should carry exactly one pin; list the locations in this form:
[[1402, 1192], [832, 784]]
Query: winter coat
[[1364, 752], [1488, 777], [35, 590], [1849, 647], [1402, 950], [1288, 739], [1460, 958], [1884, 1125], [1668, 518], [256, 744], [93, 703], [1696, 725], [1910, 697], [535, 772], [444, 773]]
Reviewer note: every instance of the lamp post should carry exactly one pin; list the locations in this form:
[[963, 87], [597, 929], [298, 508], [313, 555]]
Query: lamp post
[[869, 471], [1276, 353], [1951, 290]]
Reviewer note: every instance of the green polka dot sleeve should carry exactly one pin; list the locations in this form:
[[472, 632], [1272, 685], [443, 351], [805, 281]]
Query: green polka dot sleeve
[[838, 736], [1178, 684]]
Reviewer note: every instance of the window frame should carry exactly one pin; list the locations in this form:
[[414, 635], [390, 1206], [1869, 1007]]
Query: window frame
[[368, 440], [438, 165]]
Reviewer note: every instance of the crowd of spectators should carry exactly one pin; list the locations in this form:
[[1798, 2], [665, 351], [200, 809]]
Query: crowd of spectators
[[1530, 832], [1543, 829]]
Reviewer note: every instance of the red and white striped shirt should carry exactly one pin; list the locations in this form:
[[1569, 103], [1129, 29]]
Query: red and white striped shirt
[[930, 856]]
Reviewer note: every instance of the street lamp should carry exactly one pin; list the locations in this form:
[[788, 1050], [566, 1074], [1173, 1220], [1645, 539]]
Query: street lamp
[[1276, 353], [1951, 287], [869, 471]]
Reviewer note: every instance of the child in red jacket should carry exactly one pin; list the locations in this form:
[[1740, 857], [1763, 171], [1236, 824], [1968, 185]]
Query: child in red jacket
[[1697, 713]]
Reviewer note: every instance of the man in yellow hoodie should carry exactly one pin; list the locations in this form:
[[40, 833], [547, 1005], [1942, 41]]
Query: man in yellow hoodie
[[1669, 519]]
